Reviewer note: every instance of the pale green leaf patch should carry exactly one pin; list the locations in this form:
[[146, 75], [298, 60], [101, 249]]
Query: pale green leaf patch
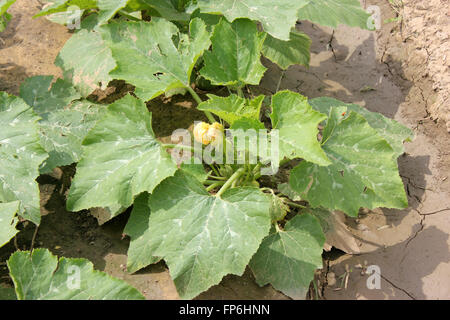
[[287, 53], [363, 172], [62, 5], [42, 276], [277, 18], [288, 258], [8, 221], [298, 124], [394, 132], [86, 60], [235, 55], [108, 8], [332, 13], [121, 159], [138, 229], [64, 122], [203, 237], [20, 156], [155, 56], [233, 107]]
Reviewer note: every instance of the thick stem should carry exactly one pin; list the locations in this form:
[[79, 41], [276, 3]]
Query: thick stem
[[214, 185], [214, 169], [230, 181], [209, 182], [239, 92], [294, 204], [199, 100], [216, 177]]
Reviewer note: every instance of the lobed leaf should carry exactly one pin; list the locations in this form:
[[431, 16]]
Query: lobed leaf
[[298, 124], [86, 60], [286, 53], [332, 13], [363, 172], [42, 276], [233, 107], [288, 258], [121, 159], [202, 237], [64, 122], [20, 156], [277, 18], [235, 55], [394, 132], [154, 56]]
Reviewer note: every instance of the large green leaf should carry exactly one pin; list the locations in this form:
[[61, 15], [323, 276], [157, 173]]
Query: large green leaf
[[394, 132], [202, 237], [233, 107], [121, 159], [277, 18], [4, 15], [8, 221], [235, 55], [86, 60], [64, 122], [363, 172], [138, 229], [20, 156], [42, 276], [288, 258], [154, 56], [298, 124], [332, 13], [286, 53]]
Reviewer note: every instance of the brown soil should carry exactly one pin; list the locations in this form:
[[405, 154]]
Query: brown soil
[[411, 246]]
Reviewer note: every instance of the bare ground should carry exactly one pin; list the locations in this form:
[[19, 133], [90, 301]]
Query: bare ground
[[410, 246]]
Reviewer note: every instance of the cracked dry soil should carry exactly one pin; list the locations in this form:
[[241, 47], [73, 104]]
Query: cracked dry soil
[[411, 246]]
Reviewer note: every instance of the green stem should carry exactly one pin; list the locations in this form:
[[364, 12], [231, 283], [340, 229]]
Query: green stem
[[256, 169], [214, 185], [209, 182], [294, 204], [239, 92], [230, 181], [128, 16], [277, 227], [217, 178], [214, 169], [199, 100], [171, 145]]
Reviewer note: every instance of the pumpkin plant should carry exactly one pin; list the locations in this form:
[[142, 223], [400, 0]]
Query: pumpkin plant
[[204, 218]]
